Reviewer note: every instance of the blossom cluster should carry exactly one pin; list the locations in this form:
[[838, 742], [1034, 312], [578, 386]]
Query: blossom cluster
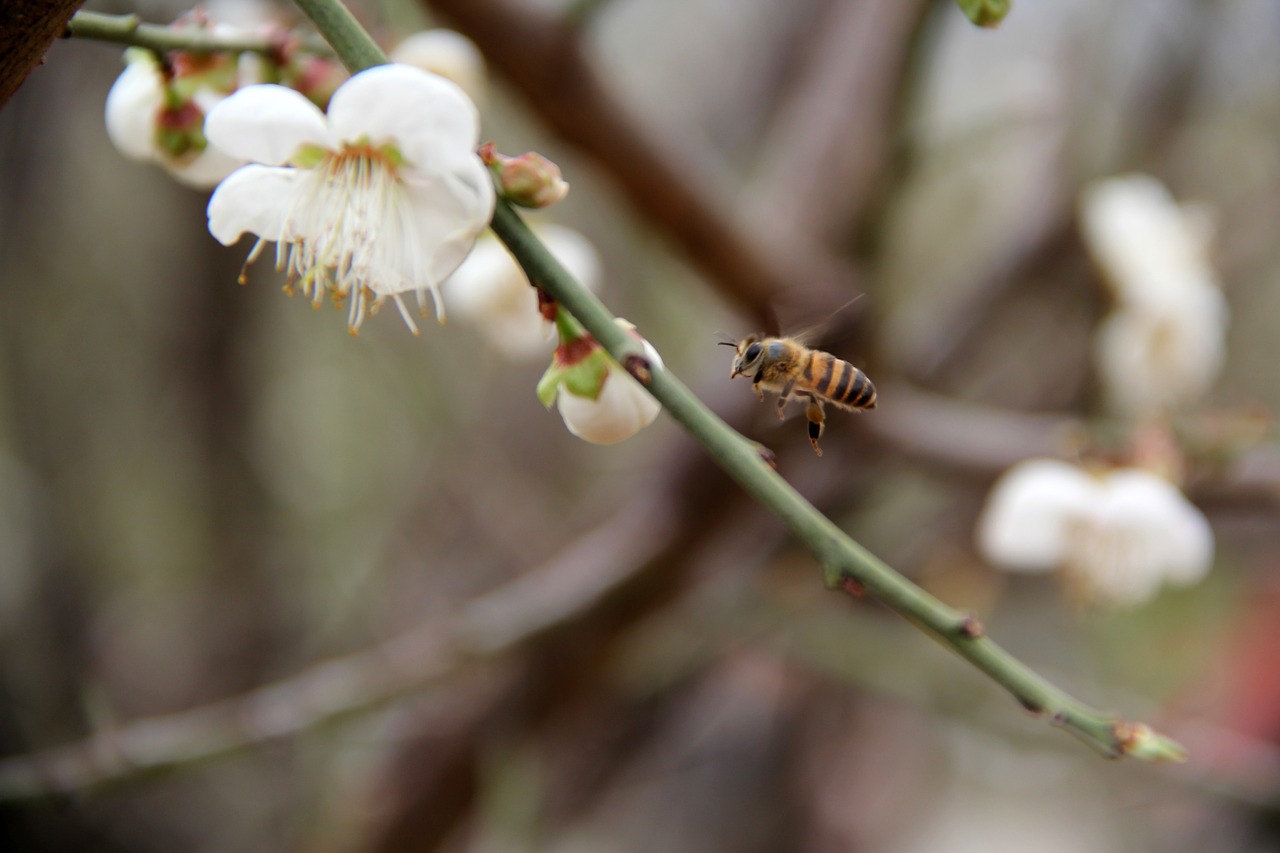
[[1119, 533], [372, 189]]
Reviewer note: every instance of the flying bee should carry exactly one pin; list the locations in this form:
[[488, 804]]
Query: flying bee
[[789, 368]]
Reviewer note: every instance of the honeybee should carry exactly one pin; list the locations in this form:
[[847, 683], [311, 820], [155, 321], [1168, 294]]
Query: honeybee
[[789, 368]]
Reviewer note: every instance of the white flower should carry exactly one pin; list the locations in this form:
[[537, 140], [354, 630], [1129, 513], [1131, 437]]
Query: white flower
[[449, 54], [491, 290], [1162, 356], [143, 128], [1164, 344], [382, 196], [1119, 535]]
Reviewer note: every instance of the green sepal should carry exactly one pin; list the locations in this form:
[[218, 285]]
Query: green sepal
[[586, 378], [986, 13], [549, 385], [583, 378]]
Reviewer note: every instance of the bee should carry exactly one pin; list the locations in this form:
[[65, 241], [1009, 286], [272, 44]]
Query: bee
[[791, 369]]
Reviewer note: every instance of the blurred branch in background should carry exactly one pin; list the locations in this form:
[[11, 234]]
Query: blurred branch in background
[[677, 184]]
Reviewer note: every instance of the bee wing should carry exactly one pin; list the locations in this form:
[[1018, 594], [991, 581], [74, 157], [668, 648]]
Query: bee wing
[[821, 329]]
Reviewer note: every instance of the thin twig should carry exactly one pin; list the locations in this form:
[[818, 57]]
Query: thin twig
[[130, 30]]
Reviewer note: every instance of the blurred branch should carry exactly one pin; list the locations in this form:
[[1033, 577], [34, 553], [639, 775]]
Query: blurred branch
[[27, 29], [488, 627], [543, 57], [846, 565], [130, 30], [829, 141]]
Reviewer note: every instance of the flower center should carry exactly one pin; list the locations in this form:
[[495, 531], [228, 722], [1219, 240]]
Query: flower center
[[349, 228]]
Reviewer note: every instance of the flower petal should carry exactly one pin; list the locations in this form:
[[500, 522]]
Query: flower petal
[[205, 169], [443, 218], [428, 119], [447, 53], [266, 123], [255, 199], [132, 105], [1026, 523]]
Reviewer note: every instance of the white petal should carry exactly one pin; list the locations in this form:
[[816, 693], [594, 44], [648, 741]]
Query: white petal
[[132, 105], [266, 123], [445, 216], [255, 199], [1165, 537], [428, 119], [1155, 358], [449, 54], [490, 290], [575, 253], [1027, 521], [204, 170], [623, 408]]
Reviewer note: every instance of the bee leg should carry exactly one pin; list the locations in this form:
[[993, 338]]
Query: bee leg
[[783, 396], [759, 393], [817, 419]]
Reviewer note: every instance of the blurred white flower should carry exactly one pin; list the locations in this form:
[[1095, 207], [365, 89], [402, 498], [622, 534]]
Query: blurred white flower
[[449, 54], [1118, 535], [382, 196], [1164, 344], [599, 401], [1163, 355], [491, 291], [148, 124]]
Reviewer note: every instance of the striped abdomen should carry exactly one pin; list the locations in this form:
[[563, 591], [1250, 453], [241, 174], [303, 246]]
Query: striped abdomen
[[838, 381]]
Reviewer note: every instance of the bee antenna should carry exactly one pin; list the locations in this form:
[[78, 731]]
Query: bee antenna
[[733, 344], [726, 340]]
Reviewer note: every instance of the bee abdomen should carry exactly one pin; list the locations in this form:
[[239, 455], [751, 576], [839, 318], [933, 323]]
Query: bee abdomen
[[849, 386]]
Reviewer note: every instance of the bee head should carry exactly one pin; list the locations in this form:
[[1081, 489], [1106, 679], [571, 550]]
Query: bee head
[[749, 354]]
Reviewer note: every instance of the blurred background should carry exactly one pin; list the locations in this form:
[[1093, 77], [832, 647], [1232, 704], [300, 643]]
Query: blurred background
[[268, 586]]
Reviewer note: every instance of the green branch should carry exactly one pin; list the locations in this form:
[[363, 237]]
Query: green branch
[[845, 564], [130, 30]]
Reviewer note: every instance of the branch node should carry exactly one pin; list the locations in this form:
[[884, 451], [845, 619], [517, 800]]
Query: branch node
[[852, 586], [970, 627], [638, 366]]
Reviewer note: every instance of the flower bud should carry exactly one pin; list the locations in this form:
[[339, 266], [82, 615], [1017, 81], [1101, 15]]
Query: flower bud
[[598, 400], [986, 13], [529, 180], [1140, 741]]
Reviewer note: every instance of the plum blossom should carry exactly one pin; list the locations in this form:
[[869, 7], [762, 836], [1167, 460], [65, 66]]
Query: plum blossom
[[491, 291], [1118, 535], [1164, 344], [154, 119], [599, 401], [382, 196]]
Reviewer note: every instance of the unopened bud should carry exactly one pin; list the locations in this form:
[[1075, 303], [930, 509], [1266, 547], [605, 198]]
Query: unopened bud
[[1140, 741], [529, 180], [986, 13]]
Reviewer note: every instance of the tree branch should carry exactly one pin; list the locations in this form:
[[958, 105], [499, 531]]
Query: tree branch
[[130, 30], [27, 30]]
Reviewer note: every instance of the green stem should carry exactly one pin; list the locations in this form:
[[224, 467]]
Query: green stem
[[843, 561], [130, 30], [354, 46]]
